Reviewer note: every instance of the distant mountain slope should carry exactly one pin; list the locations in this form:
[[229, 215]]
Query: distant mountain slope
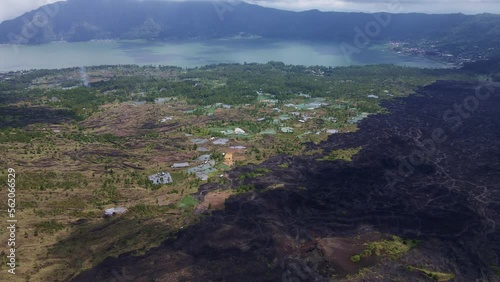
[[82, 20], [477, 32]]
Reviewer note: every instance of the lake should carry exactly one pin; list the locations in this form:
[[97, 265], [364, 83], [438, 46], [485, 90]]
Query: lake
[[196, 53]]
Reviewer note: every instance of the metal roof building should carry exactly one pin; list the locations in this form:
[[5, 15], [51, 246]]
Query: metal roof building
[[161, 178]]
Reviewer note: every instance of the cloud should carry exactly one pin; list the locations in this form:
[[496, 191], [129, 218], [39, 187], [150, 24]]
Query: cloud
[[403, 6]]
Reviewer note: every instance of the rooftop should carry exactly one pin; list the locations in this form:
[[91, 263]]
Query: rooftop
[[161, 178]]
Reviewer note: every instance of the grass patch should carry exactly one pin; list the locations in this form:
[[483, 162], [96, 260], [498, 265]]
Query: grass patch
[[355, 258], [187, 202], [436, 276], [244, 188], [51, 180], [19, 135], [178, 176], [71, 203], [391, 248], [145, 211], [50, 227], [222, 166], [27, 204], [256, 173], [345, 155], [313, 152]]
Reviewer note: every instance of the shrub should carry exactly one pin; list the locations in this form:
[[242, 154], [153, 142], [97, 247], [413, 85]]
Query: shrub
[[356, 258]]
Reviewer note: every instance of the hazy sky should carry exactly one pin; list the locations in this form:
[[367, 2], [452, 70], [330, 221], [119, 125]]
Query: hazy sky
[[12, 8]]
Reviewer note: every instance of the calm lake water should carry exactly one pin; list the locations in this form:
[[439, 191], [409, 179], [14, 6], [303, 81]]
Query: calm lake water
[[195, 53]]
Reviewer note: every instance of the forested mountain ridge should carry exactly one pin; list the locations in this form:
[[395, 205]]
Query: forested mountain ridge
[[78, 20]]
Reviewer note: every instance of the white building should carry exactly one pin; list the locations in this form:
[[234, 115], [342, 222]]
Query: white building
[[239, 131]]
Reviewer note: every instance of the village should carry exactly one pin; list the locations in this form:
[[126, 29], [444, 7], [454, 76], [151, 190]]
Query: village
[[181, 141], [268, 127], [130, 146]]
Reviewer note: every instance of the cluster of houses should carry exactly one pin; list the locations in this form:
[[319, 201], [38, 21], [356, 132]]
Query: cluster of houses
[[203, 170], [161, 178]]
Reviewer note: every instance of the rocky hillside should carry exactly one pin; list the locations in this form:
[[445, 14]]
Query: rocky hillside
[[419, 200]]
